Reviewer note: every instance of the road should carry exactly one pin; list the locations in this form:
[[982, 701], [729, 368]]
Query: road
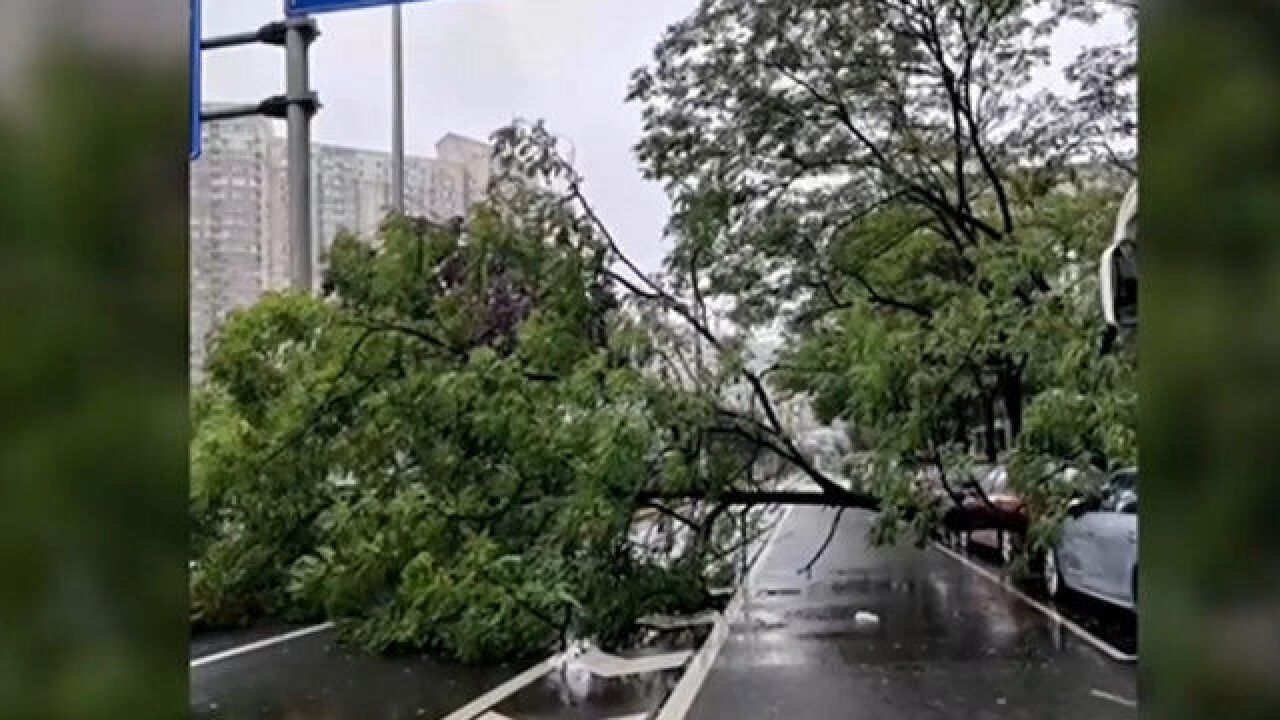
[[311, 676], [949, 642], [316, 678]]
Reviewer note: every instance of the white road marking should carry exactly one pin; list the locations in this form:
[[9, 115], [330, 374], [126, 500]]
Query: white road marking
[[215, 657], [686, 690], [1113, 698], [473, 709], [681, 697], [1103, 646], [491, 715], [603, 664]]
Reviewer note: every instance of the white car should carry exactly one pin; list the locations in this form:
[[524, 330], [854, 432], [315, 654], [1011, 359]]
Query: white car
[[1097, 554]]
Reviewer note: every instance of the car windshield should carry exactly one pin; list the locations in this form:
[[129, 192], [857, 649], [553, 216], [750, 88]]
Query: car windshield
[[996, 481]]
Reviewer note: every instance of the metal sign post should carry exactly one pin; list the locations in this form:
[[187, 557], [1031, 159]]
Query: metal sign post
[[397, 111], [296, 8], [196, 79], [296, 106], [299, 33]]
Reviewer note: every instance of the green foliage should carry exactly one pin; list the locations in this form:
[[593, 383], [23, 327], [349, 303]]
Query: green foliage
[[443, 453], [448, 451], [884, 177]]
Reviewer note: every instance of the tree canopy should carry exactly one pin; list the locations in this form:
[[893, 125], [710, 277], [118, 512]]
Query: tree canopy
[[467, 442], [448, 450], [887, 176]]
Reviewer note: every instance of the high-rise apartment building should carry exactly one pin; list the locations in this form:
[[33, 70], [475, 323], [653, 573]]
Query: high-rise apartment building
[[231, 220], [240, 219]]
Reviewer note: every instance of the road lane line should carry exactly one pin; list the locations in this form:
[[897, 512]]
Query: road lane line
[[686, 690], [1113, 698], [233, 652], [1098, 643], [607, 665], [481, 704]]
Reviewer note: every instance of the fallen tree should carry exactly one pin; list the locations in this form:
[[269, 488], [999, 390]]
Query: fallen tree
[[453, 447], [448, 450]]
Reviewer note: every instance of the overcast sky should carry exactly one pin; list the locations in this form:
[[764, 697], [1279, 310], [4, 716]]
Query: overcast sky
[[470, 67], [473, 65]]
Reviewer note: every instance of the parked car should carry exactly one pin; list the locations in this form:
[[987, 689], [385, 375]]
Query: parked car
[[1003, 528], [972, 518], [1097, 553], [1001, 523]]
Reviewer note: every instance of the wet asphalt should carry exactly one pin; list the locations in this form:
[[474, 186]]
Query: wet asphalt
[[316, 677], [1116, 626], [948, 643]]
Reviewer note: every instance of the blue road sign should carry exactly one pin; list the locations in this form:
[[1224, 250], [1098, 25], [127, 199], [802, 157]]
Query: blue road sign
[[312, 7], [195, 79]]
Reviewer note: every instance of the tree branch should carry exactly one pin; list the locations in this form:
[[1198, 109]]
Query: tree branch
[[887, 301], [807, 570], [663, 509], [840, 498]]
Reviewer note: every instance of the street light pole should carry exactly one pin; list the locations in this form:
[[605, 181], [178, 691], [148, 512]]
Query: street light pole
[[299, 33], [397, 111]]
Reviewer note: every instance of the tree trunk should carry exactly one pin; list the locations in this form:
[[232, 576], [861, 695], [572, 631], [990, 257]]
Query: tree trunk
[[989, 422], [1011, 395], [743, 498]]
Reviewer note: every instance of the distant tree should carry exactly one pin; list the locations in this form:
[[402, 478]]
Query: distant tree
[[1105, 77]]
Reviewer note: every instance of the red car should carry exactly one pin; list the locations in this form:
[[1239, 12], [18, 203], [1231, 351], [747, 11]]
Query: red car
[[998, 522]]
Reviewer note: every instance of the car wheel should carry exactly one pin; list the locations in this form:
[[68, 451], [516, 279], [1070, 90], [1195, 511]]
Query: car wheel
[[1052, 575], [1007, 548]]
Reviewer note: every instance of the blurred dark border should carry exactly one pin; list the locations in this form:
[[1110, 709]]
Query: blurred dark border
[[1210, 359], [93, 380]]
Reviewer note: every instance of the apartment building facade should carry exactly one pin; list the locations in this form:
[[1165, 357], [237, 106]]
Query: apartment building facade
[[239, 219]]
